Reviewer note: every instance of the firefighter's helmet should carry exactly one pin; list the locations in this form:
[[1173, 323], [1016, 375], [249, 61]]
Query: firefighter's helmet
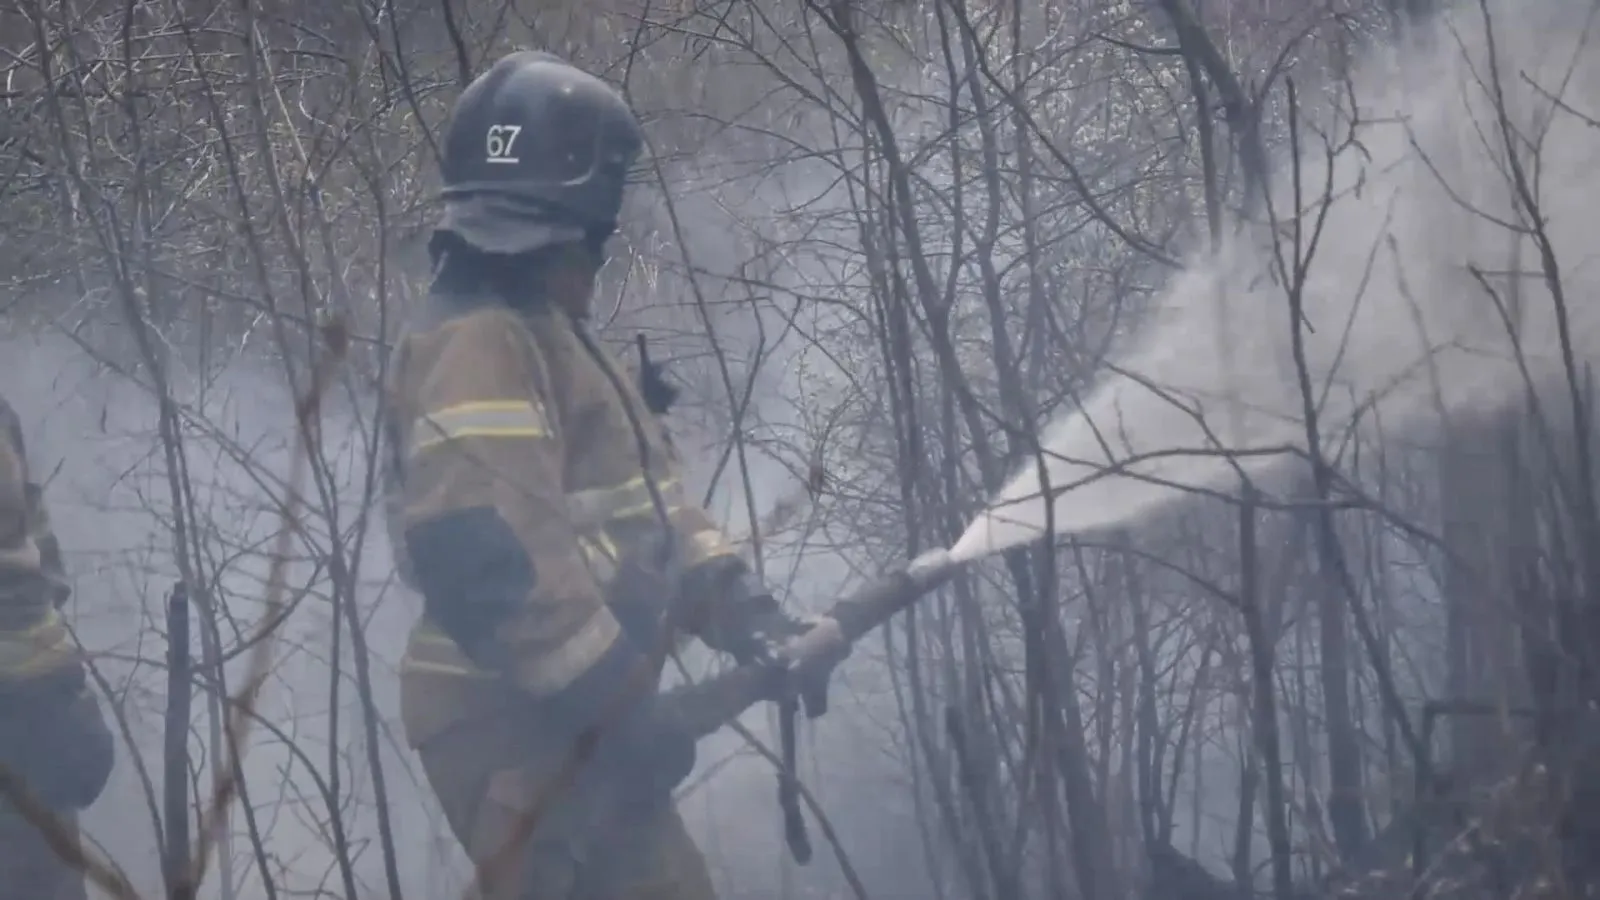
[[536, 153]]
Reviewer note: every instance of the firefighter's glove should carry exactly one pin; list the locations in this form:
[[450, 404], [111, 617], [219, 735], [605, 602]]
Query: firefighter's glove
[[767, 632], [748, 624], [811, 682], [744, 620]]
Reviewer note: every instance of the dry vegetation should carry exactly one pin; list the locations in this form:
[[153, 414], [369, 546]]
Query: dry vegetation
[[880, 241]]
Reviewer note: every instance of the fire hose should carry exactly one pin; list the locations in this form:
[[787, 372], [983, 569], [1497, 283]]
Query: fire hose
[[714, 702]]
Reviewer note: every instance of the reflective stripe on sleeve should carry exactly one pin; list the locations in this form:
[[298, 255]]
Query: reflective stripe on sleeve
[[706, 545], [595, 507], [34, 651], [431, 651], [562, 665], [602, 556], [483, 418]]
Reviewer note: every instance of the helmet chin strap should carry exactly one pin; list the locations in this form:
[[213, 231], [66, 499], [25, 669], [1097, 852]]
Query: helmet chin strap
[[594, 241], [438, 249]]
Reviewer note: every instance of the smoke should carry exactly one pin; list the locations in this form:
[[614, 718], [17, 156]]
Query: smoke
[[94, 433], [1422, 270], [778, 384]]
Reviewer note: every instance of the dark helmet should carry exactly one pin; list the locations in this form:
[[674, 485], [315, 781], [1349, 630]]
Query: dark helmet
[[536, 154]]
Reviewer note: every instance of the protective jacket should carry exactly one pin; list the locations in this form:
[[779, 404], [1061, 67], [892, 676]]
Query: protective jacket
[[33, 587], [505, 429]]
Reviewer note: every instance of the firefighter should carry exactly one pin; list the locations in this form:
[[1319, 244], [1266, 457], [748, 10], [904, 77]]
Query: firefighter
[[54, 740], [535, 505]]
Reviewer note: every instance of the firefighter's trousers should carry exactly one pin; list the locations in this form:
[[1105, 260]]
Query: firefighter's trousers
[[490, 765]]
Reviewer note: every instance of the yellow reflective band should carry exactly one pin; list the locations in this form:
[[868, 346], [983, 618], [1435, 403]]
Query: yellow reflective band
[[431, 651], [35, 650], [602, 544], [483, 418], [563, 664], [595, 507], [708, 544], [414, 666], [601, 553]]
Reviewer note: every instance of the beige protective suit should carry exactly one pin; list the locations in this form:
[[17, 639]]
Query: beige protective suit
[[500, 414]]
